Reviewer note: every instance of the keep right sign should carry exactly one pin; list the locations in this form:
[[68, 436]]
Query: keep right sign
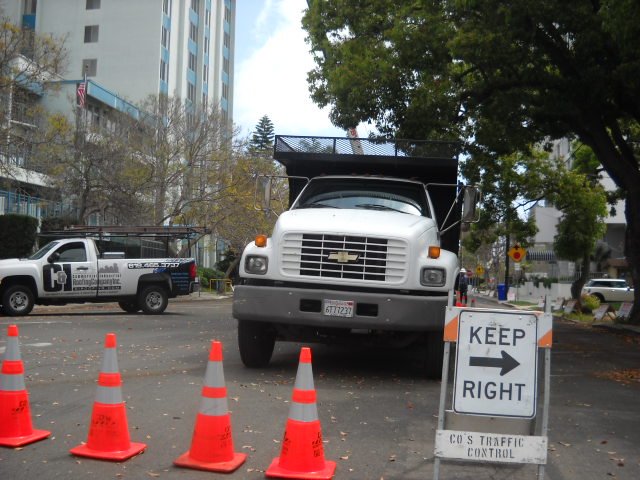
[[496, 364]]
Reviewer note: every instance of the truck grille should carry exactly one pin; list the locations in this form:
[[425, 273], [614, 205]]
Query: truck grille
[[344, 257]]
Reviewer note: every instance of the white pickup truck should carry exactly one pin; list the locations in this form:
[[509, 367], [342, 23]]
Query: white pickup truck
[[74, 271]]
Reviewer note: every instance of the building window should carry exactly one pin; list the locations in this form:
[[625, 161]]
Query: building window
[[225, 91], [191, 92], [225, 65], [166, 37], [206, 44], [93, 4], [207, 17], [193, 32], [227, 14], [166, 6], [195, 5], [91, 33], [164, 71], [30, 7], [204, 101], [89, 67], [226, 40], [192, 61], [205, 75]]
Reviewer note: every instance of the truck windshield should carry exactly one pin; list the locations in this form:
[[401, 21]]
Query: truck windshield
[[366, 194], [43, 251]]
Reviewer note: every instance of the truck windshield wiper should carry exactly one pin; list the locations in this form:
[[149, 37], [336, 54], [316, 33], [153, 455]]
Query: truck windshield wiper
[[317, 205], [375, 206]]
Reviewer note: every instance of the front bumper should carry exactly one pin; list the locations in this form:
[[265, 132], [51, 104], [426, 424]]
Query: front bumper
[[373, 311]]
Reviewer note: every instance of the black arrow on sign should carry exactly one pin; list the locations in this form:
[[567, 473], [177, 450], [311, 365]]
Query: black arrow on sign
[[506, 363]]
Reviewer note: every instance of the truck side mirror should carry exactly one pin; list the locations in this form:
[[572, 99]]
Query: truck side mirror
[[54, 257], [471, 197], [266, 201]]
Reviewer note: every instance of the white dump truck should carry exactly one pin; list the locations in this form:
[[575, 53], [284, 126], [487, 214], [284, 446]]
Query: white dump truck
[[367, 250], [74, 271]]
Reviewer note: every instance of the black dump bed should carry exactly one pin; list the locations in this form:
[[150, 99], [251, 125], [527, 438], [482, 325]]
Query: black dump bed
[[426, 161]]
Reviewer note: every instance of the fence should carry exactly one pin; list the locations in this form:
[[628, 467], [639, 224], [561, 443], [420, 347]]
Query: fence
[[19, 203]]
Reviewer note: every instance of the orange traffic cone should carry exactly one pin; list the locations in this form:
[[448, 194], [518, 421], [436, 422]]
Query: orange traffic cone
[[302, 454], [16, 429], [109, 432], [212, 444]]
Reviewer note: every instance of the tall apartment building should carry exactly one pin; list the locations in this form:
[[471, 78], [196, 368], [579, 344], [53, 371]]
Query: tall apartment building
[[137, 48]]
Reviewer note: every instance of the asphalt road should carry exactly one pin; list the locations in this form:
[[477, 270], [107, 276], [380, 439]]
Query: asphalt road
[[378, 415]]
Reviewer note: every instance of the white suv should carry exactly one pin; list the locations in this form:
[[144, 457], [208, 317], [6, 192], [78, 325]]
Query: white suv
[[609, 289]]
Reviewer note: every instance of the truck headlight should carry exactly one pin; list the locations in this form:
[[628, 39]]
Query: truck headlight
[[256, 265], [433, 277]]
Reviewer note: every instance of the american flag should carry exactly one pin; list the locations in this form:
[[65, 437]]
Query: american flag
[[82, 94]]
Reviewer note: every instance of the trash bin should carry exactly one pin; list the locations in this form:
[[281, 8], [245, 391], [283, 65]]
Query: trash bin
[[502, 291]]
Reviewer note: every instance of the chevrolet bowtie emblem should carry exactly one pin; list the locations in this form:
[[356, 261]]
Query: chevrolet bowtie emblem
[[343, 257]]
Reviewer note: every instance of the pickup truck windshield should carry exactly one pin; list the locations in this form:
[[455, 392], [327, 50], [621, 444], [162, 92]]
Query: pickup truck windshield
[[43, 251], [367, 194]]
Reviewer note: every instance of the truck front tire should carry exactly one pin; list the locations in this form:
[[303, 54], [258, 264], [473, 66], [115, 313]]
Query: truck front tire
[[17, 301], [153, 299], [256, 341]]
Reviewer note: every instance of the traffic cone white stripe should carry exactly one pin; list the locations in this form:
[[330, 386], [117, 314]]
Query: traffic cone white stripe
[[12, 383], [110, 360], [303, 412], [214, 375], [109, 395], [304, 377], [12, 350], [214, 406]]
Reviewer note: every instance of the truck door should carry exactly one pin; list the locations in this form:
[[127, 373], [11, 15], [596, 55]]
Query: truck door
[[70, 274]]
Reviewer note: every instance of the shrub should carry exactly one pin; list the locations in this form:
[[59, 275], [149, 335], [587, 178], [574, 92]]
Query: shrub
[[589, 303], [206, 274], [17, 235]]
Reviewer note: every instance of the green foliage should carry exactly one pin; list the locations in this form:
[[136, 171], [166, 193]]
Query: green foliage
[[17, 235], [589, 302], [229, 256], [262, 140], [498, 75], [207, 274]]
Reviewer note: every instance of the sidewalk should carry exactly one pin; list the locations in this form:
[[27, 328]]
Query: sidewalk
[[611, 326]]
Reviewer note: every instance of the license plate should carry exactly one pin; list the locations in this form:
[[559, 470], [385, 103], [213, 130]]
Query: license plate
[[337, 308]]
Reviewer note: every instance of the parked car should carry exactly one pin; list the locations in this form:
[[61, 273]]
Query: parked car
[[609, 289]]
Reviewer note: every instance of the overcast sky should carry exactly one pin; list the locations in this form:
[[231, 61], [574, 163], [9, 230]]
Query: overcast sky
[[271, 64]]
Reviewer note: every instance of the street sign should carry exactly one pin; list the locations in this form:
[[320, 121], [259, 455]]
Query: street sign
[[479, 270], [517, 253], [496, 364]]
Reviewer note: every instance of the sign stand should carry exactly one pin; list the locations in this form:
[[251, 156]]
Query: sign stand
[[490, 393]]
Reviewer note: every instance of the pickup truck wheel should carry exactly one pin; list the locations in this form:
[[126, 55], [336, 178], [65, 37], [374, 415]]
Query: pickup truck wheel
[[129, 307], [256, 341], [435, 353], [153, 299], [17, 301]]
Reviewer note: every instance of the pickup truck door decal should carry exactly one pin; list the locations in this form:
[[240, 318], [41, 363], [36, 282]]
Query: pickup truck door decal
[[56, 277]]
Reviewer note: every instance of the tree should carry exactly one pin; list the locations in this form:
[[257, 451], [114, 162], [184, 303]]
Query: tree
[[584, 207], [509, 185], [498, 75], [262, 139], [28, 63]]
